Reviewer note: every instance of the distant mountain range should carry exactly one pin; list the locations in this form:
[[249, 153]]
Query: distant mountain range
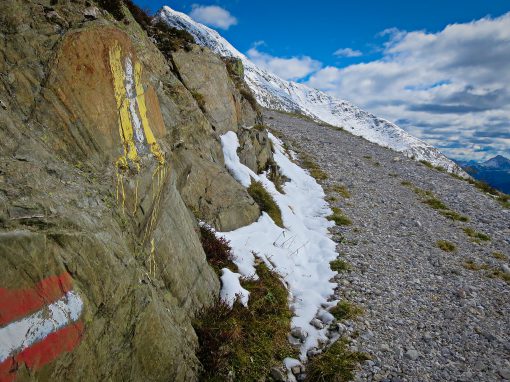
[[495, 172]]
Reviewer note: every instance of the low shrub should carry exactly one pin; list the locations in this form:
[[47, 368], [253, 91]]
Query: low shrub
[[265, 202], [217, 250], [242, 344], [114, 7]]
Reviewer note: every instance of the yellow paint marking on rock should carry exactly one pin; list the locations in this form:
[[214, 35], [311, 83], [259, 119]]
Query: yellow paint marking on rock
[[142, 108], [125, 126]]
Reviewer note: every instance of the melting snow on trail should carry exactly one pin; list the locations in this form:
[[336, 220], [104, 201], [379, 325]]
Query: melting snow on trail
[[301, 252]]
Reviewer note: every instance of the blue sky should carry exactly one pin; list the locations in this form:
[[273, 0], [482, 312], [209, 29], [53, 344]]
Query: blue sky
[[361, 51]]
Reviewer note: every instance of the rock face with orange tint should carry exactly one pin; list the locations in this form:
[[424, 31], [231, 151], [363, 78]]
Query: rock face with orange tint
[[105, 157]]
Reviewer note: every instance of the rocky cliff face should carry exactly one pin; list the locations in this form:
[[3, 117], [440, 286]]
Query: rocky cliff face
[[108, 154]]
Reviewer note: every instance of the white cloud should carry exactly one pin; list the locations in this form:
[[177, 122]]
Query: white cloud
[[294, 68], [348, 52], [213, 16], [449, 88]]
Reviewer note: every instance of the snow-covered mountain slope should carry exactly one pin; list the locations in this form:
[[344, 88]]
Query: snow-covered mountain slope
[[275, 93]]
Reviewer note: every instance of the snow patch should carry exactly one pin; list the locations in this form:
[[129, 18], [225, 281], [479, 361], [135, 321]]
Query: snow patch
[[301, 252], [231, 288]]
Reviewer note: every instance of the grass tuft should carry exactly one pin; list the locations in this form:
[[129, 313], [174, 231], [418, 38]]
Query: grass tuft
[[242, 344], [265, 202], [341, 190], [433, 201], [346, 310], [338, 217], [491, 272], [499, 256], [446, 245], [336, 364], [339, 265], [472, 266], [476, 236], [314, 169]]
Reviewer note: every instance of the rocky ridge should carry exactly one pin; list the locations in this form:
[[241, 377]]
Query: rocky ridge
[[109, 153]]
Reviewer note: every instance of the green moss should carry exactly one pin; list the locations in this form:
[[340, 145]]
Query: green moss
[[446, 245], [406, 183], [336, 364], [346, 310], [476, 236], [265, 202], [338, 217], [339, 265], [501, 197], [246, 342]]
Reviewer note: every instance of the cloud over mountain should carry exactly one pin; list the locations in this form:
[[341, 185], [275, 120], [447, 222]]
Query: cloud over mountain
[[449, 88], [213, 15]]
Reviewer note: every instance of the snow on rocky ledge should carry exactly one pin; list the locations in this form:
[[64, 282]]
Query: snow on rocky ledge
[[275, 93]]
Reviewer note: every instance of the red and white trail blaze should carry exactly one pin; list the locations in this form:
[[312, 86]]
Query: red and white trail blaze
[[38, 324]]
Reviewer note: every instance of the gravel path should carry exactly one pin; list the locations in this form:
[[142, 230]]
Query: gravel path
[[427, 316]]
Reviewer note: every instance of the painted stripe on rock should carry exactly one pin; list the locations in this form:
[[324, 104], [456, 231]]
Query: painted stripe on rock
[[18, 303], [19, 335], [43, 352]]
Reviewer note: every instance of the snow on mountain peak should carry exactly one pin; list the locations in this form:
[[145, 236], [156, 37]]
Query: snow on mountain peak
[[275, 93]]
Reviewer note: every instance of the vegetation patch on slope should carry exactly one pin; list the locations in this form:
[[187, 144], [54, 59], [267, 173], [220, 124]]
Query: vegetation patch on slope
[[475, 235], [217, 250], [312, 167], [428, 197], [335, 364], [339, 217], [339, 265], [490, 271], [341, 190], [242, 344], [445, 245], [346, 310], [167, 39]]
